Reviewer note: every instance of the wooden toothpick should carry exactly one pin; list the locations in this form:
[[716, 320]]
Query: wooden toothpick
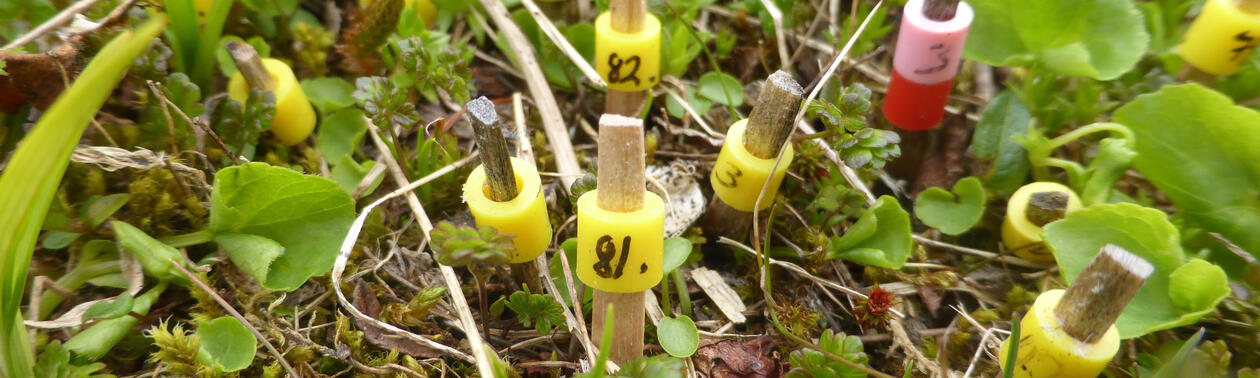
[[250, 65], [1046, 207], [940, 10], [500, 179], [1093, 303], [621, 187]]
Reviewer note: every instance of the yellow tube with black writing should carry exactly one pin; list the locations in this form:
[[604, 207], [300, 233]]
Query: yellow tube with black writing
[[1221, 39], [738, 176], [628, 62], [1045, 351], [620, 252]]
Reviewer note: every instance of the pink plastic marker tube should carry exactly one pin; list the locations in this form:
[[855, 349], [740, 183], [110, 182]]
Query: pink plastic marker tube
[[924, 66]]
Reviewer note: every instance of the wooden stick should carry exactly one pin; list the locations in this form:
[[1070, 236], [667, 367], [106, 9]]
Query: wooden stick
[[621, 185], [769, 127], [500, 178], [1046, 207], [251, 67], [627, 17], [621, 181], [940, 10], [1094, 302], [1249, 6], [1190, 73]]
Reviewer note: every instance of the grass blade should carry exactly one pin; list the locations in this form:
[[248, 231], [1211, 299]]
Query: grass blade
[[35, 170]]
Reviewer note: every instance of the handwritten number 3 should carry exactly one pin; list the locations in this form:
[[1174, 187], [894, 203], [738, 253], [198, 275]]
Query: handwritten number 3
[[605, 250], [614, 72]]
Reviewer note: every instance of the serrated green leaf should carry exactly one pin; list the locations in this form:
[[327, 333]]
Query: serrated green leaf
[[307, 215], [226, 344], [252, 253], [952, 213], [807, 363], [1199, 149], [1101, 39], [110, 309], [1145, 232], [721, 88], [1005, 117], [678, 336], [881, 237]]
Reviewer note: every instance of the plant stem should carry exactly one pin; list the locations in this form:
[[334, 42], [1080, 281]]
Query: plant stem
[[189, 239], [72, 280], [684, 296], [667, 307]]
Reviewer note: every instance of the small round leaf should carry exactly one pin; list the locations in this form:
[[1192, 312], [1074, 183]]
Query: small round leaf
[[678, 336]]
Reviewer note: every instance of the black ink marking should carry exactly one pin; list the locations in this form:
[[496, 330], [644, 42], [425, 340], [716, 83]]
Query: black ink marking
[[605, 250], [643, 268], [1248, 43], [614, 69], [943, 55], [731, 175]]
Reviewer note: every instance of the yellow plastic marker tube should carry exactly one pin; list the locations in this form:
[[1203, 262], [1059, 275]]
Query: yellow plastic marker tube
[[1046, 351], [524, 216], [620, 252], [738, 175], [629, 62], [1023, 237], [1221, 39], [295, 118]]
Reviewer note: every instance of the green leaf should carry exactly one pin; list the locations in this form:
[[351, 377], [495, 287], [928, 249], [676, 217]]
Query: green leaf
[[110, 309], [1196, 285], [699, 104], [348, 174], [100, 209], [1145, 232], [226, 344], [154, 256], [329, 94], [676, 252], [1174, 366], [464, 246], [55, 240], [881, 237], [307, 215], [340, 134], [1004, 118], [658, 366], [30, 178], [1199, 149], [537, 310], [952, 213], [721, 88], [811, 363], [1101, 39], [252, 253], [678, 336]]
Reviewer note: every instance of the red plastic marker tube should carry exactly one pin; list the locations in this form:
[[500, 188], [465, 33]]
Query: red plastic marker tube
[[924, 66]]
